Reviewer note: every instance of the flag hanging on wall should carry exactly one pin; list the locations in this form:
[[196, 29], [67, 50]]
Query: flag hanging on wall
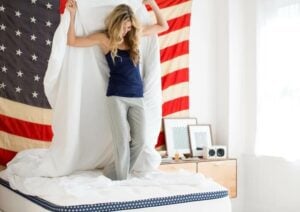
[[174, 57], [26, 32]]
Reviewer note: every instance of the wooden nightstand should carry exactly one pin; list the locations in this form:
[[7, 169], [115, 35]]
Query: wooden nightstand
[[222, 171]]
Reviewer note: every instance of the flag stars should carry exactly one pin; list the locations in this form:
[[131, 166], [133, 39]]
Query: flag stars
[[2, 27], [18, 33], [49, 6], [48, 24], [33, 1], [2, 85], [19, 52], [18, 13], [33, 19], [35, 94], [34, 57], [37, 78], [2, 8], [18, 89], [33, 37], [4, 69], [2, 48], [48, 42], [20, 73]]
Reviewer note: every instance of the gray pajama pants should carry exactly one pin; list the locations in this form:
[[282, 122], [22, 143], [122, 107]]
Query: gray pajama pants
[[128, 132]]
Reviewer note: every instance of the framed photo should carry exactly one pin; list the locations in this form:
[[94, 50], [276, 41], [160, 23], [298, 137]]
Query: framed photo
[[177, 135], [200, 137]]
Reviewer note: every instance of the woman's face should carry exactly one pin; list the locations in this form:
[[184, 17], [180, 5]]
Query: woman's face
[[126, 27]]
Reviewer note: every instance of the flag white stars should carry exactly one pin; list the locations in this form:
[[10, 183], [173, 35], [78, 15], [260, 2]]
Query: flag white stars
[[4, 69], [33, 19], [26, 32], [19, 52], [2, 85], [34, 57], [36, 78], [33, 37], [18, 13], [48, 24], [2, 8], [18, 33], [2, 48], [2, 27], [20, 73], [35, 94], [49, 6], [48, 42], [18, 89]]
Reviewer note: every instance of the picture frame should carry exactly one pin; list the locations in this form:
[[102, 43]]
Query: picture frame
[[200, 137], [177, 135]]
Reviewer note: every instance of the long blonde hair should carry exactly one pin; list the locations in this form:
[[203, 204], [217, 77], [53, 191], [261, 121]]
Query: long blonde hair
[[114, 22]]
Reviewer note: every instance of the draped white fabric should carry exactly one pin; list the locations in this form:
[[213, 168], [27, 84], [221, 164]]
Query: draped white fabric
[[75, 84]]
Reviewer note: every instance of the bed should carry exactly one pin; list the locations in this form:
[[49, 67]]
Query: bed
[[206, 196]]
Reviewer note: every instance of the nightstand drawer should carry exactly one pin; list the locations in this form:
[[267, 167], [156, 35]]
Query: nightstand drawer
[[223, 172]]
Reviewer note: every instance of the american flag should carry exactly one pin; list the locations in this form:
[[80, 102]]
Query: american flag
[[174, 57], [26, 32]]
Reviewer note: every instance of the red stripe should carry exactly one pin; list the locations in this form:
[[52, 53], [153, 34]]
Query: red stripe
[[173, 51], [160, 140], [175, 77], [62, 6], [6, 156], [25, 129], [178, 23], [164, 3], [175, 105]]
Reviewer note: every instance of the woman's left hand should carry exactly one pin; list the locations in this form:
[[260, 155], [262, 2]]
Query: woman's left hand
[[71, 6]]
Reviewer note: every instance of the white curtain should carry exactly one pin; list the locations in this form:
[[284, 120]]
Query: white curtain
[[278, 78]]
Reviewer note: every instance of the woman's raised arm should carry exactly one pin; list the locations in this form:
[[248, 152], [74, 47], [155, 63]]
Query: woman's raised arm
[[83, 41], [160, 26]]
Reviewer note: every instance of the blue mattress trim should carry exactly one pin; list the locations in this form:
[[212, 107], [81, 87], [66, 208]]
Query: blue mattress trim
[[117, 206]]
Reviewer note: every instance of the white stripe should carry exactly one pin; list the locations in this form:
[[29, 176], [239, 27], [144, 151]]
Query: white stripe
[[25, 112], [179, 114], [174, 37], [176, 91], [175, 64], [16, 143], [175, 11]]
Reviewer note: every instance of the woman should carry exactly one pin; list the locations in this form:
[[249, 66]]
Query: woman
[[120, 42]]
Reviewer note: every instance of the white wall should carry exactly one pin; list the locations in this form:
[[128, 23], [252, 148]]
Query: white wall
[[223, 93], [210, 62], [203, 62]]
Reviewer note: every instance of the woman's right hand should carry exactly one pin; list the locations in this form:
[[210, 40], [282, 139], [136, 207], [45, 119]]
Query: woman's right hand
[[71, 5]]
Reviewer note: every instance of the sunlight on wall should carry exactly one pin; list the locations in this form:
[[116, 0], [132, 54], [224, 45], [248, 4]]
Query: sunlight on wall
[[278, 87]]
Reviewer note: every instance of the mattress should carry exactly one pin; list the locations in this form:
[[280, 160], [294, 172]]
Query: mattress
[[138, 196]]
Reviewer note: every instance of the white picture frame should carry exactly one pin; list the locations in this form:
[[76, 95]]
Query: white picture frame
[[177, 135], [200, 137]]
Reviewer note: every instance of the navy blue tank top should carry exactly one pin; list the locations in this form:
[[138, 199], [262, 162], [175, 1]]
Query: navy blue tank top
[[125, 79]]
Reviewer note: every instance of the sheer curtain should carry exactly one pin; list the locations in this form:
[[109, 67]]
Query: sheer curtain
[[278, 78]]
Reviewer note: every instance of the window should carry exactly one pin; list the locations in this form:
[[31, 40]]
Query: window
[[278, 78]]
